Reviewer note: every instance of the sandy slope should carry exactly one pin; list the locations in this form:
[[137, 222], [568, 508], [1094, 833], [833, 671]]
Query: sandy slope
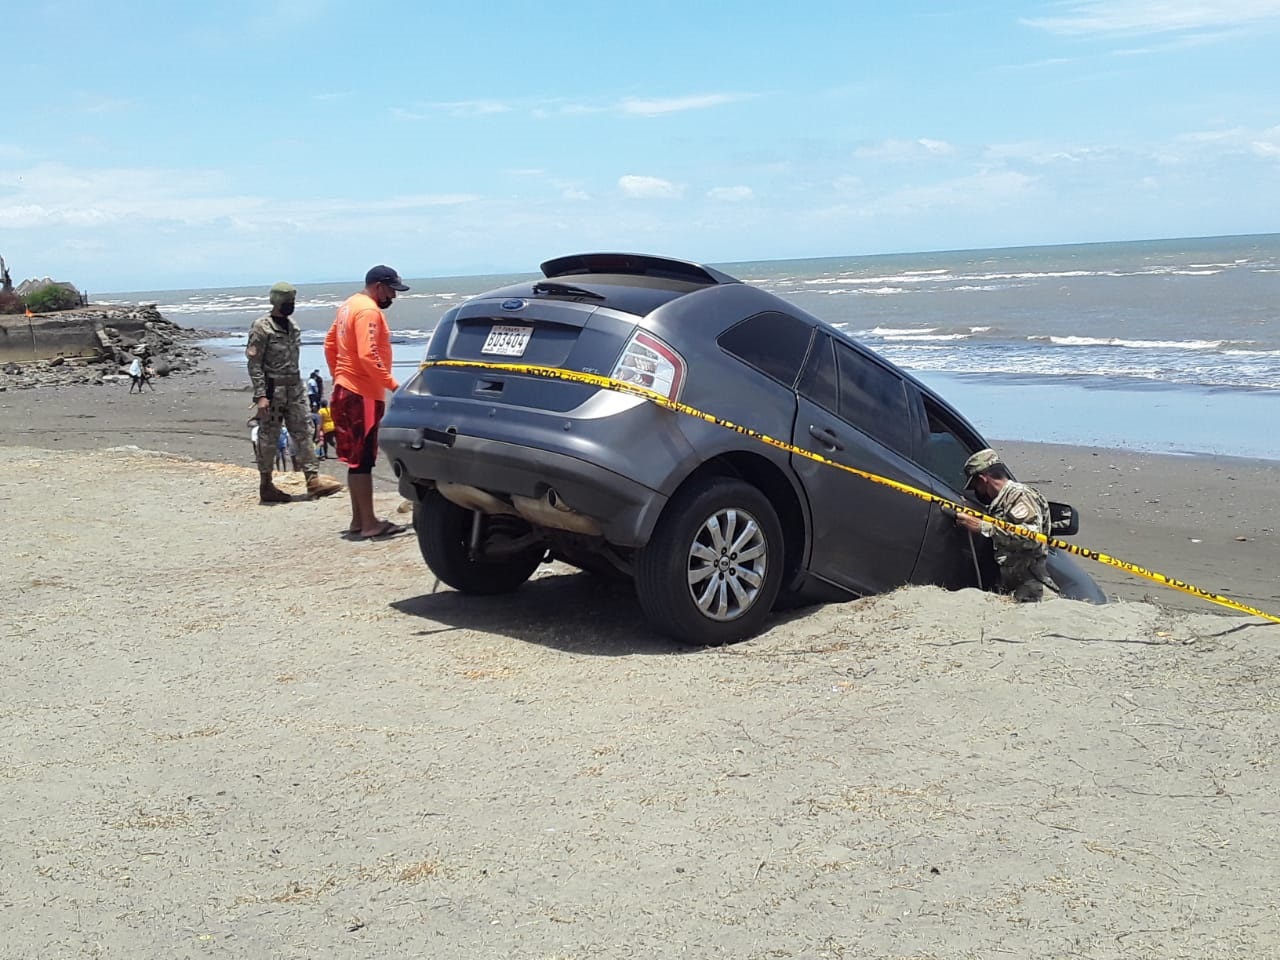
[[232, 733]]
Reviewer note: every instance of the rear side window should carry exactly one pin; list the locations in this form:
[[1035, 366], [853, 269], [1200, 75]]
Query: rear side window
[[874, 399], [820, 382], [773, 343]]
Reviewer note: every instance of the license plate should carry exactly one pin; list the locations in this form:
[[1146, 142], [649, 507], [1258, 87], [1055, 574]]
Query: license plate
[[507, 341]]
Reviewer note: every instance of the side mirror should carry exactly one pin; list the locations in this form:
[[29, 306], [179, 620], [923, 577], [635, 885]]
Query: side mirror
[[1064, 521]]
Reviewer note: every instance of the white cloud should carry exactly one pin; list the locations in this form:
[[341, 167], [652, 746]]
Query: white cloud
[[652, 107], [455, 108], [468, 108], [1043, 154], [897, 150], [1154, 16], [648, 188], [731, 194], [56, 195], [98, 103], [1236, 141], [983, 190], [848, 185]]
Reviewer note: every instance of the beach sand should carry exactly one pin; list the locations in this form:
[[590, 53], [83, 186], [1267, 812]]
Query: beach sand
[[233, 733]]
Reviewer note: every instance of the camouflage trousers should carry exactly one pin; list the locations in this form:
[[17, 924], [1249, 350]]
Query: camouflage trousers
[[1024, 577], [288, 406]]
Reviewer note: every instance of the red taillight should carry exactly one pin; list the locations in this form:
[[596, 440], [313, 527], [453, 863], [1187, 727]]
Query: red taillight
[[648, 362]]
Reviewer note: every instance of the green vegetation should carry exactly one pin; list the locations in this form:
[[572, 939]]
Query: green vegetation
[[51, 298], [47, 299]]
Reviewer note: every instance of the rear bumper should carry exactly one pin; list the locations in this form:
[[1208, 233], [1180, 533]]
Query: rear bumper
[[625, 508]]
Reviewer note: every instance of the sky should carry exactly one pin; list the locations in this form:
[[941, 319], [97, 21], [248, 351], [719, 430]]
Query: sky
[[176, 144]]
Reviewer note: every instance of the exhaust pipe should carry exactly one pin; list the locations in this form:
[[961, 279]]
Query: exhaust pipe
[[473, 498], [551, 511]]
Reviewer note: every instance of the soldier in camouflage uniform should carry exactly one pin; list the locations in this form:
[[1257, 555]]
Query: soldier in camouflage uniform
[[272, 351], [1023, 571]]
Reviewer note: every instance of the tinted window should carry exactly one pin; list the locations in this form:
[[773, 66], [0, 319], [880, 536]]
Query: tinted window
[[820, 384], [947, 446], [873, 398], [773, 343]]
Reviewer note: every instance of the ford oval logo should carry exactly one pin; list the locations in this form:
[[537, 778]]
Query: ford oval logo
[[513, 304]]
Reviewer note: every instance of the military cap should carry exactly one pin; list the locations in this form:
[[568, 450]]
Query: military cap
[[283, 291], [982, 460]]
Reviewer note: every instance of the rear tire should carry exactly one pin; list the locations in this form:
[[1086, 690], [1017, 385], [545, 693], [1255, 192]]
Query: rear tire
[[444, 533], [713, 567]]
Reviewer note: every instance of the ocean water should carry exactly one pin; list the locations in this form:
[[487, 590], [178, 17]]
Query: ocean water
[[1168, 346]]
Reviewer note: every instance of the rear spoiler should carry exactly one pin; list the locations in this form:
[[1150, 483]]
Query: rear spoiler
[[635, 265]]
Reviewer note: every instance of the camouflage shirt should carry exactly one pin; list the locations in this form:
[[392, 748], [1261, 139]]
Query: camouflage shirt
[[273, 355], [1018, 503]]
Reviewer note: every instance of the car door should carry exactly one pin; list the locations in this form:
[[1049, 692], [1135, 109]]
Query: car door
[[951, 557], [854, 410]]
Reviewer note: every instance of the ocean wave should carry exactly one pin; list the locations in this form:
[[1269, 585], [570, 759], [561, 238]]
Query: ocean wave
[[925, 337], [897, 331], [1179, 368], [1132, 344]]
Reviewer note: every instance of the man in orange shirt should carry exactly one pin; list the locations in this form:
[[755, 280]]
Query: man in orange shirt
[[358, 351]]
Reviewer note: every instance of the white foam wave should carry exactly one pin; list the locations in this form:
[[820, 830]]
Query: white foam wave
[[1134, 344], [925, 337], [1215, 370], [896, 331]]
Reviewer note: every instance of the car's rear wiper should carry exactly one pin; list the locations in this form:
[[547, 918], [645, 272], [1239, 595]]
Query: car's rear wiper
[[566, 290]]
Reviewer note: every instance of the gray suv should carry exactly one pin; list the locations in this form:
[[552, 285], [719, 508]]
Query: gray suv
[[508, 469]]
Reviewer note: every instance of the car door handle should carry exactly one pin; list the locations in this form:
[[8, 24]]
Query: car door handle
[[826, 436]]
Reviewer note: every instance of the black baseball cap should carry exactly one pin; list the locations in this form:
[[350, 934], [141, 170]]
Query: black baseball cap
[[384, 274]]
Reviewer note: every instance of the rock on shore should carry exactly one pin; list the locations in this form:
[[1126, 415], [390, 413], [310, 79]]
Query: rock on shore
[[93, 344]]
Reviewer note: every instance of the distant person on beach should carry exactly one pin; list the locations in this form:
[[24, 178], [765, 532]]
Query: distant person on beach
[[282, 451], [272, 352], [1023, 570], [314, 436], [139, 374], [315, 390], [357, 349], [327, 431]]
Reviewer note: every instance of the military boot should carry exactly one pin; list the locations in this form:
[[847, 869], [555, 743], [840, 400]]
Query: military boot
[[268, 492], [318, 485]]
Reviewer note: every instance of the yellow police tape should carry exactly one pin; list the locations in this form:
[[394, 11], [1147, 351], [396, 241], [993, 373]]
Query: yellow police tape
[[621, 386]]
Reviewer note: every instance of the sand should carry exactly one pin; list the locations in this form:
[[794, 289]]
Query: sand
[[233, 733]]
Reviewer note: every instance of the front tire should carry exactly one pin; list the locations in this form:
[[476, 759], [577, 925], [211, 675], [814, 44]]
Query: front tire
[[444, 533], [713, 567]]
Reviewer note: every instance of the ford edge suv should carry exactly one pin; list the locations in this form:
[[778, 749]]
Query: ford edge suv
[[508, 467]]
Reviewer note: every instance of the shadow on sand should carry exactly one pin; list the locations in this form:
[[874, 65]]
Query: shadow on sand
[[574, 612]]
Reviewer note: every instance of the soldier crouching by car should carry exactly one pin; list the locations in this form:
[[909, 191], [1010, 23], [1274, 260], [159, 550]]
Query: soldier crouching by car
[[1023, 570], [272, 352]]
